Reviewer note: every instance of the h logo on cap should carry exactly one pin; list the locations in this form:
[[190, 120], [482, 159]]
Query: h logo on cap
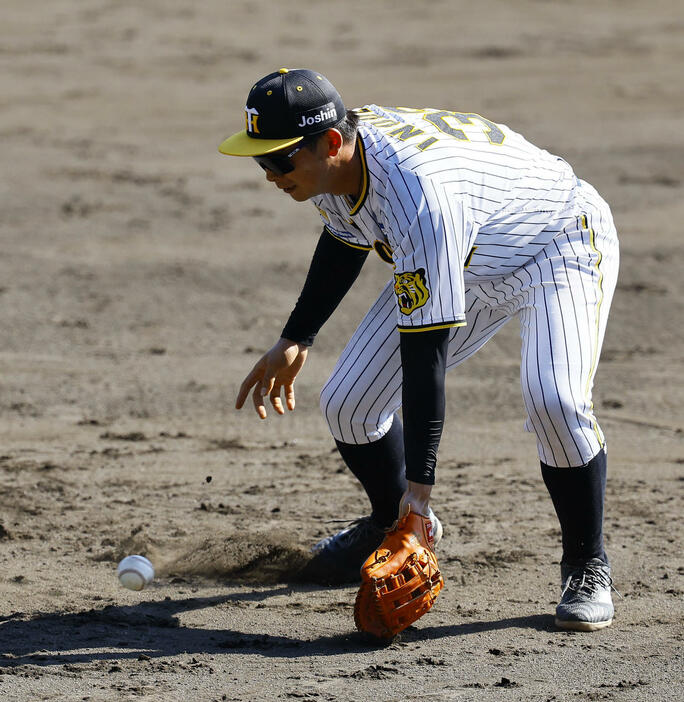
[[251, 117]]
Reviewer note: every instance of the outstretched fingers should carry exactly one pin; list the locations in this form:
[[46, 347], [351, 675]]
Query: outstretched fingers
[[262, 389], [247, 384], [259, 404], [272, 389], [273, 375], [289, 396], [276, 401]]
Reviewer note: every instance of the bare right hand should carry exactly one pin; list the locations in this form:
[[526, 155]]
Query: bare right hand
[[274, 371]]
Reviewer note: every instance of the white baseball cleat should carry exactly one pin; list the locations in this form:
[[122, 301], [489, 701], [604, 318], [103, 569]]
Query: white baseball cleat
[[586, 603]]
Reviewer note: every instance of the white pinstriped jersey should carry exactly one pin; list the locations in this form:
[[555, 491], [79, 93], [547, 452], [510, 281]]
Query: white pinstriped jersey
[[454, 199]]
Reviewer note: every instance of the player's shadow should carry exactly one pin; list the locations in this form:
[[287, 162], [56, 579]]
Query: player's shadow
[[152, 630]]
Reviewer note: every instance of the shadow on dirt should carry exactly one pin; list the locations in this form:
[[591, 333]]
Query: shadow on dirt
[[152, 630]]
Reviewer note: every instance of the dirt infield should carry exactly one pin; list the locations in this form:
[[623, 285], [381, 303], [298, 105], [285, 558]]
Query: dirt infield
[[142, 274]]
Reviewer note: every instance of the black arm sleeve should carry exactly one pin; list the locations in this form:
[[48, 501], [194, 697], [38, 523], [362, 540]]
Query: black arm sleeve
[[334, 268], [423, 360]]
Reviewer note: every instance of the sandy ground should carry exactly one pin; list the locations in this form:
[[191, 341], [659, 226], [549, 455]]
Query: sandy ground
[[141, 276]]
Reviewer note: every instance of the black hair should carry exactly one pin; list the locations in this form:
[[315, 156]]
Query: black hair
[[347, 126]]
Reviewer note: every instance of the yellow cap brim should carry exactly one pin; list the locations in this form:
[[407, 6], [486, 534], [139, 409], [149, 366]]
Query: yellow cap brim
[[241, 144]]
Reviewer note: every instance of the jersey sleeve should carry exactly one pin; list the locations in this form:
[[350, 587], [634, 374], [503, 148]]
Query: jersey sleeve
[[341, 228], [430, 232]]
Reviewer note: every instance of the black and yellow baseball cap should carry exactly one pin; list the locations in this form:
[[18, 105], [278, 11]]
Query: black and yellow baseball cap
[[282, 108]]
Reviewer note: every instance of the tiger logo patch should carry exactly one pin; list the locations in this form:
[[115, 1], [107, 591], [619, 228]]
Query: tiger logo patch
[[411, 290]]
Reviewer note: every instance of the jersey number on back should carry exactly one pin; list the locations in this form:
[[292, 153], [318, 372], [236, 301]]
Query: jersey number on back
[[491, 130], [403, 131]]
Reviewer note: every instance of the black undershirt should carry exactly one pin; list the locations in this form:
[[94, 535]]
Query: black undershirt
[[334, 268]]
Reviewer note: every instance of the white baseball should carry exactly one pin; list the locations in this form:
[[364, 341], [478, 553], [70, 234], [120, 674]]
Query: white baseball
[[135, 572]]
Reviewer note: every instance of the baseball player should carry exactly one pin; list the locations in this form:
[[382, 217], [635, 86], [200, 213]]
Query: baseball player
[[477, 226]]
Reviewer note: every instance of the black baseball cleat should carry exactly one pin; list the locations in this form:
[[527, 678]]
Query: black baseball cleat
[[586, 603], [337, 559]]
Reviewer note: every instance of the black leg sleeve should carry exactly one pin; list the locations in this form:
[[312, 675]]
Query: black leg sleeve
[[578, 495], [379, 467]]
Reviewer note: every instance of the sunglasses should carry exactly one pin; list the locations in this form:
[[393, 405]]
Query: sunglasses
[[279, 163]]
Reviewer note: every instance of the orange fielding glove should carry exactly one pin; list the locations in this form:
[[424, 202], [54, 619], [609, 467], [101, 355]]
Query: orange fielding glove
[[400, 580]]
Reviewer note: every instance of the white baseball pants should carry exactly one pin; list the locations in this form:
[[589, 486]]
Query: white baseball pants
[[562, 298]]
